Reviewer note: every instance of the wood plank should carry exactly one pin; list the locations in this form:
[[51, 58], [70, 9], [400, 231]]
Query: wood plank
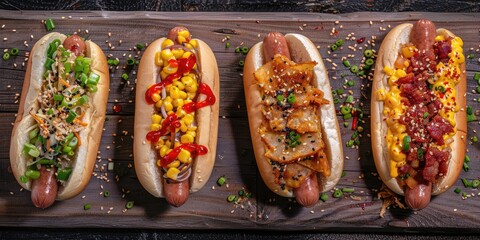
[[235, 160]]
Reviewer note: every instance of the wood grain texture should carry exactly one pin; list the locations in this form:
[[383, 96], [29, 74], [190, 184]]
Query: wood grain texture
[[208, 208]]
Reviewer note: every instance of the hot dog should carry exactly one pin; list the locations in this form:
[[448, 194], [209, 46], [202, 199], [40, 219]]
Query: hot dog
[[292, 118], [54, 142], [418, 111], [176, 116]]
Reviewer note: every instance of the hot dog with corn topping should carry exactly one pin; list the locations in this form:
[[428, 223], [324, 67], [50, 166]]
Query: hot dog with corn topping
[[292, 118], [54, 143], [176, 116], [418, 111]]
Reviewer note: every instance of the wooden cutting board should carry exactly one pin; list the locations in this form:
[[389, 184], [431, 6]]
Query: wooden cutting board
[[118, 32]]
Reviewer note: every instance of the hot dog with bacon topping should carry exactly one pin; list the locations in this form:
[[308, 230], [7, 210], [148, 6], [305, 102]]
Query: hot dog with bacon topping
[[55, 137], [292, 118], [176, 116], [419, 111]]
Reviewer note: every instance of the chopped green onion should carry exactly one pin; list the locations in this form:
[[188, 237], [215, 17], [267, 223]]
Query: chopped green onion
[[87, 206], [45, 161], [14, 51], [350, 143], [73, 143], [467, 158], [129, 204], [241, 63], [130, 61], [71, 116], [474, 139], [469, 110], [221, 181], [227, 45], [345, 110], [351, 83], [231, 198], [476, 76], [140, 46], [49, 24], [324, 197], [66, 149], [106, 194], [347, 116], [466, 183], [336, 100], [237, 50], [125, 76], [57, 97], [92, 88], [31, 150], [23, 179], [457, 190], [241, 192], [334, 47], [34, 133], [346, 63], [337, 193], [346, 124], [420, 154], [339, 42], [6, 56], [348, 190], [466, 167], [48, 63], [244, 50], [406, 143], [291, 98], [339, 91], [471, 56], [280, 98], [343, 174], [354, 69], [32, 174], [475, 183], [368, 53], [425, 115], [369, 62], [64, 173], [349, 99], [471, 117]]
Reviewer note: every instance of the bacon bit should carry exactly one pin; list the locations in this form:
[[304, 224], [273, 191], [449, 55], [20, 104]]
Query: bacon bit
[[78, 138], [63, 82]]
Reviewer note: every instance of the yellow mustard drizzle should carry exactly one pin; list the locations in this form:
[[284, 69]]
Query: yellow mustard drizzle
[[446, 76], [179, 93]]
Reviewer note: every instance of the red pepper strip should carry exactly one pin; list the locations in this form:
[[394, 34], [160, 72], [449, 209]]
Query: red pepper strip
[[355, 119]]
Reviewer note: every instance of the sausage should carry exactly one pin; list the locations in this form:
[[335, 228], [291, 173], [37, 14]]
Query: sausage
[[275, 43], [176, 194], [418, 197], [173, 33], [44, 189], [423, 37], [75, 44], [308, 193]]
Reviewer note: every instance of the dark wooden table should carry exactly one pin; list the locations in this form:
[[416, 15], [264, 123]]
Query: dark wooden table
[[152, 218]]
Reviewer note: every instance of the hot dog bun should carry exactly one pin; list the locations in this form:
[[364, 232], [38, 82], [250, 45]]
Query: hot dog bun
[[94, 116], [387, 55], [148, 172], [301, 50]]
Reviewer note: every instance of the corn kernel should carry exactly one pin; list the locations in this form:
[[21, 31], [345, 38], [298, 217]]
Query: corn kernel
[[177, 144], [187, 81], [174, 92], [192, 133], [180, 112], [163, 150], [179, 85], [194, 43], [155, 126], [191, 88], [159, 104], [186, 138], [188, 119], [184, 33], [174, 164], [163, 74], [178, 102], [186, 54], [160, 143], [168, 106], [192, 128], [408, 51], [167, 43], [169, 69], [172, 173], [166, 55], [155, 97], [182, 95], [156, 118], [388, 70], [181, 39], [183, 127], [191, 95], [183, 156], [158, 59], [187, 101], [177, 53]]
